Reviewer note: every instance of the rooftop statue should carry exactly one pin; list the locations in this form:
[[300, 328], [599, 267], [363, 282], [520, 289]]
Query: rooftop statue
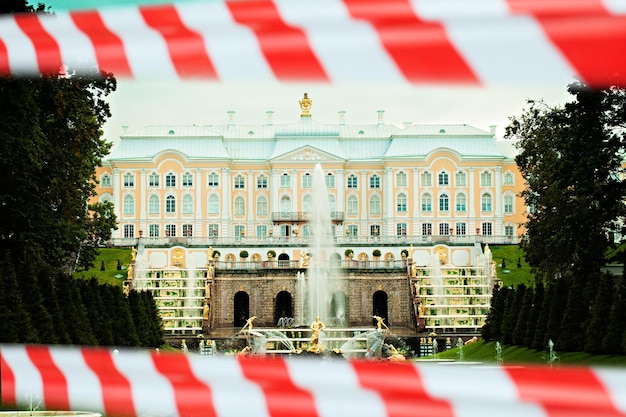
[[305, 105]]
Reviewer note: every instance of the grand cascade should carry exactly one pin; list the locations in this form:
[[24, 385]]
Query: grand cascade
[[232, 223]]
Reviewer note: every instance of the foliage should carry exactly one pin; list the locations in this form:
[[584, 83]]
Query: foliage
[[216, 254], [243, 254], [348, 253], [571, 160], [376, 253]]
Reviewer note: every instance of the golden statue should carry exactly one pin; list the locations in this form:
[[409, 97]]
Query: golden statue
[[207, 290], [395, 355], [205, 311], [421, 310], [133, 253], [210, 252], [380, 322], [305, 259], [130, 268], [305, 105], [317, 326], [443, 256], [248, 324]]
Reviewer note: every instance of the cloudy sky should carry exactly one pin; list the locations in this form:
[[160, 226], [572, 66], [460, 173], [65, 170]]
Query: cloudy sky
[[170, 102]]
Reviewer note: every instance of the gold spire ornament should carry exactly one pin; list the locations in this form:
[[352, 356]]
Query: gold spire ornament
[[305, 105]]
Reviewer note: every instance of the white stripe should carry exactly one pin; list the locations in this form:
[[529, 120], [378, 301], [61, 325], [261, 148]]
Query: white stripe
[[476, 391], [76, 49], [614, 381], [84, 389], [20, 50], [335, 388], [503, 49], [615, 6], [233, 395], [28, 382], [152, 392], [348, 49], [232, 48], [439, 9], [145, 48]]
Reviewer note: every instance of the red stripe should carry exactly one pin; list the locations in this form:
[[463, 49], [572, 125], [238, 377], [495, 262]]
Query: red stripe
[[591, 43], [283, 397], [108, 47], [186, 48], [7, 383], [557, 7], [116, 390], [421, 50], [565, 392], [55, 392], [5, 69], [193, 397], [48, 53], [402, 390], [285, 47]]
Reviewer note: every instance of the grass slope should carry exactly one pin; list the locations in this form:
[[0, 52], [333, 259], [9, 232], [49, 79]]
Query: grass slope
[[110, 275], [511, 275]]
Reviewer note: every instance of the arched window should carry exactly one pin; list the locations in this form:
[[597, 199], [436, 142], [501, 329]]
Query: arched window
[[285, 204], [427, 202], [129, 204], [240, 206], [153, 204], [214, 204], [444, 202], [375, 205], [485, 202], [401, 203], [187, 204], [261, 206], [461, 202], [170, 204], [105, 181], [353, 205]]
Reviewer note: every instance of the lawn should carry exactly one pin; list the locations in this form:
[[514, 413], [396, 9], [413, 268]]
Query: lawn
[[511, 274], [110, 275]]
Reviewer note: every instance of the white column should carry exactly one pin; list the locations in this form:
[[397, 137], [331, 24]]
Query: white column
[[388, 205], [274, 187], [497, 227], [363, 211], [295, 204], [142, 202], [226, 192], [471, 201], [416, 202], [117, 198], [341, 190], [198, 229], [250, 215]]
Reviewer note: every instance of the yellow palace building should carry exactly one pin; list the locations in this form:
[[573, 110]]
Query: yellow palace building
[[238, 187]]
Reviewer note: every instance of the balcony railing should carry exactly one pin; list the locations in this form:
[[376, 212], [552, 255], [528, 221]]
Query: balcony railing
[[291, 264], [302, 216]]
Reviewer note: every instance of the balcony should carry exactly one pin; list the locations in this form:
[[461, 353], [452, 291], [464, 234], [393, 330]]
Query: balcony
[[302, 217]]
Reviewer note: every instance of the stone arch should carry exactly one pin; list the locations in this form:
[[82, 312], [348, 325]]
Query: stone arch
[[339, 309], [256, 257], [241, 308], [283, 259], [283, 306], [380, 307]]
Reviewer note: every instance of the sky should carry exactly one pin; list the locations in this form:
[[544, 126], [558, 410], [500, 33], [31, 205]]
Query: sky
[[172, 102]]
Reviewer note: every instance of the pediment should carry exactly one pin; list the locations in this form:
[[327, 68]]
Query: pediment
[[307, 153]]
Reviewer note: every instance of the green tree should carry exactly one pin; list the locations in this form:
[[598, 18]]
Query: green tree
[[533, 315], [571, 159], [514, 304], [616, 327], [575, 317], [491, 329], [519, 332], [600, 313], [556, 306]]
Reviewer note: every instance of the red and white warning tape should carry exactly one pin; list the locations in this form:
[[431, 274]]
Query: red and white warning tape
[[142, 383], [477, 42]]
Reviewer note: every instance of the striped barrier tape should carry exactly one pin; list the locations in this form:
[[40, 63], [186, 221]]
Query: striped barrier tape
[[144, 383], [479, 42]]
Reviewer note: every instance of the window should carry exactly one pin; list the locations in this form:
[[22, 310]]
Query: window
[[401, 203], [285, 204], [170, 180], [485, 179], [401, 179], [485, 202], [153, 204], [307, 203], [261, 206], [261, 231], [487, 229], [508, 204], [153, 230], [375, 230], [129, 230], [508, 179], [240, 231], [240, 182], [285, 181], [213, 180], [129, 180], [427, 179], [460, 179], [129, 204], [306, 230], [170, 204], [307, 180], [105, 181], [214, 230], [427, 229], [332, 203], [187, 230], [401, 229], [461, 229], [330, 181], [170, 230], [443, 178], [214, 204], [509, 231], [353, 205], [261, 182], [374, 181], [187, 204], [353, 181], [353, 230], [427, 203], [444, 229], [240, 206], [187, 179], [444, 202], [153, 180], [375, 205], [461, 202]]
